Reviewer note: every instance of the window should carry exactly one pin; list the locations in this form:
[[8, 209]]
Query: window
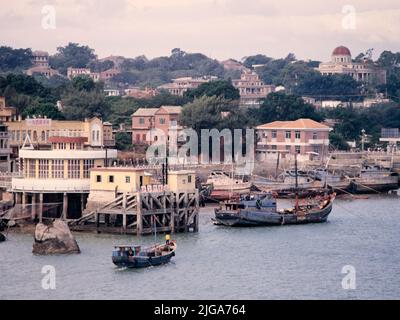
[[43, 136], [98, 178], [288, 148], [288, 135], [273, 134], [314, 136], [57, 169], [111, 179], [138, 137], [128, 179], [298, 150], [87, 165], [189, 179], [297, 135], [32, 168], [43, 169], [274, 147], [162, 120], [74, 169], [141, 120]]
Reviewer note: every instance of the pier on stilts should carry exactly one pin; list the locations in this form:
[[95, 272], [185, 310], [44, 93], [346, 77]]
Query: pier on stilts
[[144, 213]]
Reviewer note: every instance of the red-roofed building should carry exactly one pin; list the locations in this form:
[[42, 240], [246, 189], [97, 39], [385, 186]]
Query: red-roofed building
[[342, 63], [144, 120], [306, 137]]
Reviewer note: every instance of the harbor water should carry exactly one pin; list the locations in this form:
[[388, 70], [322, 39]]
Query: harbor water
[[289, 262]]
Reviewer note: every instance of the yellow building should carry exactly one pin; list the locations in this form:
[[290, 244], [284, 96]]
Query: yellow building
[[59, 176], [41, 131], [182, 181], [6, 113], [107, 183]]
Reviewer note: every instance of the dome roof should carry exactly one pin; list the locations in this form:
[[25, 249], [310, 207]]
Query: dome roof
[[341, 51]]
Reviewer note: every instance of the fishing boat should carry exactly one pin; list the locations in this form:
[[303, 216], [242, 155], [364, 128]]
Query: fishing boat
[[138, 257], [261, 211], [374, 179], [225, 186]]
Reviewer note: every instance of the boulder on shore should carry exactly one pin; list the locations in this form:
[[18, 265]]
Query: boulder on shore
[[54, 239]]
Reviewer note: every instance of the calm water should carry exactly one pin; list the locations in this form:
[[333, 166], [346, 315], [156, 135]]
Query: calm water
[[291, 262]]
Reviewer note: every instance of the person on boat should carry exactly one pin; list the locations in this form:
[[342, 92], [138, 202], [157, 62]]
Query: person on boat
[[167, 239], [130, 252]]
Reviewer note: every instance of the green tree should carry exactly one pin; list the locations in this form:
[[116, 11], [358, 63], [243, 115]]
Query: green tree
[[83, 83], [219, 88], [85, 104], [73, 55], [121, 110], [279, 106], [14, 59], [123, 141], [212, 112], [100, 66], [337, 87], [44, 109], [256, 59]]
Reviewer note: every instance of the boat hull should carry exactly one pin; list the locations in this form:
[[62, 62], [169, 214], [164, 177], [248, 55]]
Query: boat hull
[[259, 218], [142, 262]]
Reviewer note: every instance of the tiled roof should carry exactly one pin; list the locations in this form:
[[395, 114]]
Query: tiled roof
[[171, 109], [298, 124], [145, 112]]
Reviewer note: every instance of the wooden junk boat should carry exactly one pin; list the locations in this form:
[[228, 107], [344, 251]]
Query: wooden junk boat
[[138, 257], [261, 210]]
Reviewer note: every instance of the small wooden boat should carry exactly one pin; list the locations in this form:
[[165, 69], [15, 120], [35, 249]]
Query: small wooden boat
[[138, 257]]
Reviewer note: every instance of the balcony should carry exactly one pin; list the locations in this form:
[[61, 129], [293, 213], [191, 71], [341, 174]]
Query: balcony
[[50, 185]]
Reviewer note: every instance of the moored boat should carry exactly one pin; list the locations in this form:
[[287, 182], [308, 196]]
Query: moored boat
[[225, 187], [257, 212], [138, 257]]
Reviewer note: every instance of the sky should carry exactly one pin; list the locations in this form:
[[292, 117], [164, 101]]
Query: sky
[[221, 29]]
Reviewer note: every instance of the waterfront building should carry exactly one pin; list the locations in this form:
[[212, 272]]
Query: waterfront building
[[306, 137], [144, 120], [39, 132], [180, 85], [59, 178], [342, 63], [5, 150], [251, 89], [106, 184], [40, 65]]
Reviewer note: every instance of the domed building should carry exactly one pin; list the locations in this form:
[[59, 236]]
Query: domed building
[[342, 63]]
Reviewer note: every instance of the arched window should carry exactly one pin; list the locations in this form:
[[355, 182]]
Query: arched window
[[43, 136], [35, 136]]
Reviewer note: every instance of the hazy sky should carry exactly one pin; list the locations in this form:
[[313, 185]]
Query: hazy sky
[[218, 28]]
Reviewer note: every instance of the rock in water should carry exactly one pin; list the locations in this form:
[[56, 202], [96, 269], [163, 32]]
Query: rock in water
[[2, 237], [54, 239]]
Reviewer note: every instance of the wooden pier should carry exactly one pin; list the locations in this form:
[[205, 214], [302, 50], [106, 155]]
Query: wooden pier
[[144, 213]]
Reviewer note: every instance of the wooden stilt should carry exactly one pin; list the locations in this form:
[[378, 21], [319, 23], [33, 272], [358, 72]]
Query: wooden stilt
[[41, 207], [65, 207]]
